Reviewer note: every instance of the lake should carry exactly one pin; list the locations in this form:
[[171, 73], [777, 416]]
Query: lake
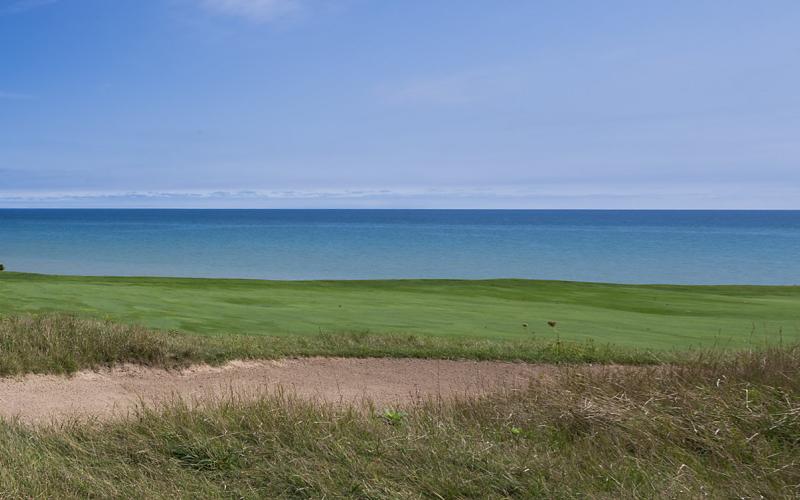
[[691, 247]]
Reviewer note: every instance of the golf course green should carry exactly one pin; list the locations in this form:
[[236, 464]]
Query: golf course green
[[644, 316]]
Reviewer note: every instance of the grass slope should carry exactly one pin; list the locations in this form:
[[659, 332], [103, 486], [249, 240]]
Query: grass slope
[[726, 429], [651, 316], [64, 344]]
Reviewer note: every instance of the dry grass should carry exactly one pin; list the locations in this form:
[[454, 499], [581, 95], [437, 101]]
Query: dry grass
[[722, 426]]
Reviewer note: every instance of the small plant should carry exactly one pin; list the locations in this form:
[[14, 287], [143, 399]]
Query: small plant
[[394, 417], [2, 267], [516, 431]]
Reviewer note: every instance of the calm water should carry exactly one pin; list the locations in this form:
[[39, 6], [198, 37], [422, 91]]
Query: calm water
[[757, 247]]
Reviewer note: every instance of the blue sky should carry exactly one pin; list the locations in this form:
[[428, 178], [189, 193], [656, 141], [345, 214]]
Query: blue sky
[[359, 103]]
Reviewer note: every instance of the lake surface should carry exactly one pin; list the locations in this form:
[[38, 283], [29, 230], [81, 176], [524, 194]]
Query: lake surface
[[692, 247]]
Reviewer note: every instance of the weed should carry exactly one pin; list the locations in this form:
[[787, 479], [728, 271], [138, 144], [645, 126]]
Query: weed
[[394, 417]]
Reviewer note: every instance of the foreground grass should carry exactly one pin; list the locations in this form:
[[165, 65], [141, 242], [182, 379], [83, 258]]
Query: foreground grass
[[725, 427], [64, 344], [647, 317]]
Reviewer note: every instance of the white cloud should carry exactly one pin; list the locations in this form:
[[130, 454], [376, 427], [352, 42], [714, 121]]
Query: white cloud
[[255, 10], [278, 194], [587, 195]]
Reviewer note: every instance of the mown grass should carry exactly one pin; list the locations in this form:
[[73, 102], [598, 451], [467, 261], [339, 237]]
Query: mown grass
[[59, 343], [722, 427], [638, 316]]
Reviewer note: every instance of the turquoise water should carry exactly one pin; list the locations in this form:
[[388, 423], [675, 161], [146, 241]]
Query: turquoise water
[[692, 247]]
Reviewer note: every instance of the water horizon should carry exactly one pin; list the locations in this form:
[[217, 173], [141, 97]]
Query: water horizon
[[758, 247]]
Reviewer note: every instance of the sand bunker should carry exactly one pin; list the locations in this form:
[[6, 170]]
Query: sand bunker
[[112, 393]]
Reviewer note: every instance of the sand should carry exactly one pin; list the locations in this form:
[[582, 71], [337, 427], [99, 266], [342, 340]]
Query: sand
[[113, 393]]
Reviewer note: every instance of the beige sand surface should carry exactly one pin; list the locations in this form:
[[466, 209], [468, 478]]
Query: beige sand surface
[[112, 393]]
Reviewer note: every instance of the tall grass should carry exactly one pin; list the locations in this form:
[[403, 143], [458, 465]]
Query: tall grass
[[64, 344], [722, 428]]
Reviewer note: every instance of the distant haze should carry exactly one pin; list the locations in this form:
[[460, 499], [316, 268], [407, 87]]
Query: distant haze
[[419, 104]]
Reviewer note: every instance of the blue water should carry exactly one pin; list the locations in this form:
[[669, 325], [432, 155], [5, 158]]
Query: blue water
[[755, 247]]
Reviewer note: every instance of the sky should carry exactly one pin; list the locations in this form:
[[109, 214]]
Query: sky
[[400, 104]]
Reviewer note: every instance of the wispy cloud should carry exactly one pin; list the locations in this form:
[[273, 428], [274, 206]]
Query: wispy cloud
[[260, 11], [543, 196], [284, 194], [17, 6]]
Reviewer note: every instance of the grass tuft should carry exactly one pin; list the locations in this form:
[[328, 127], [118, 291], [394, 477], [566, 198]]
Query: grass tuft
[[64, 344]]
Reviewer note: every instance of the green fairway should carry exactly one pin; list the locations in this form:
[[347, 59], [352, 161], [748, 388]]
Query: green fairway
[[634, 315]]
